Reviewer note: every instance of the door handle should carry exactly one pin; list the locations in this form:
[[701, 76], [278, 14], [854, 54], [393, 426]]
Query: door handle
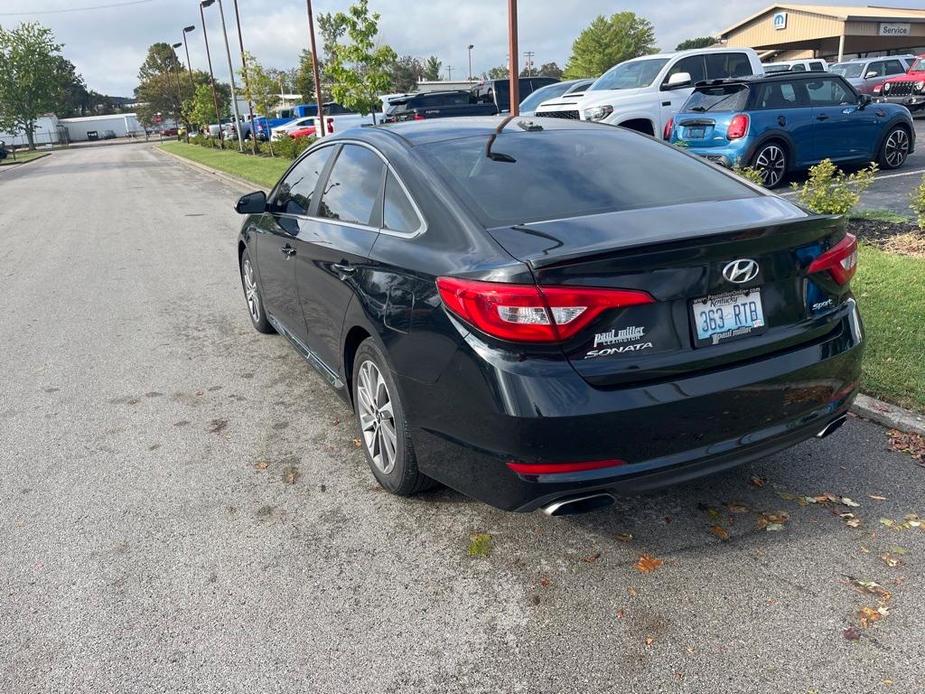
[[287, 251], [344, 268], [822, 116]]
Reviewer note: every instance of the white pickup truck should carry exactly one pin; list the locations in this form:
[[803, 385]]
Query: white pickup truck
[[644, 93]]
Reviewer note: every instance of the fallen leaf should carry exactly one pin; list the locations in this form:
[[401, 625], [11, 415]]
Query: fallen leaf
[[896, 549], [479, 545], [619, 614], [735, 507], [851, 633], [889, 560], [778, 519], [910, 444], [773, 527], [647, 564], [849, 503], [591, 558], [357, 443], [632, 592], [545, 582], [851, 520], [872, 588], [290, 474], [888, 522], [876, 497], [625, 537], [261, 464], [649, 640], [868, 616], [720, 532], [758, 481]]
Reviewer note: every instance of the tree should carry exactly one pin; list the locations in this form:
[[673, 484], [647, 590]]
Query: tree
[[200, 109], [358, 69], [406, 71], [607, 42], [73, 98], [499, 72], [550, 70], [260, 89], [29, 85], [701, 42], [432, 67], [305, 79]]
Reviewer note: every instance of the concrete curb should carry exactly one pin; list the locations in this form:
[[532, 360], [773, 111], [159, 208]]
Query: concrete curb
[[889, 415], [240, 184], [17, 164]]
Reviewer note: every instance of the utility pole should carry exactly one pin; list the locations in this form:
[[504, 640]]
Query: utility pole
[[471, 46], [189, 65], [512, 49], [234, 96], [250, 104], [449, 73], [205, 34], [528, 59], [321, 129]]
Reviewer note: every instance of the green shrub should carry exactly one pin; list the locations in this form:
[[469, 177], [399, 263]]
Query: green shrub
[[290, 147], [828, 190], [749, 173], [918, 204]]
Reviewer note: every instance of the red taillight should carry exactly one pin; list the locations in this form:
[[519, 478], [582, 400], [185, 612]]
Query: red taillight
[[418, 116], [666, 133], [738, 126], [841, 260], [561, 468], [528, 313]]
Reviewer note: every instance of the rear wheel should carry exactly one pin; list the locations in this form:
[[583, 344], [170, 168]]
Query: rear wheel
[[895, 148], [381, 421], [771, 161], [252, 296]]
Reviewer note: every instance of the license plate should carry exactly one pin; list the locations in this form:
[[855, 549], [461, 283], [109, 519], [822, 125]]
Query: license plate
[[728, 316], [695, 133]]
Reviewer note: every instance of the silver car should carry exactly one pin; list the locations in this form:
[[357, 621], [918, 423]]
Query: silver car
[[865, 74]]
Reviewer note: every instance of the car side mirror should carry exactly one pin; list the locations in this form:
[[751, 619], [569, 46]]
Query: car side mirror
[[870, 74], [678, 80], [864, 100], [252, 203]]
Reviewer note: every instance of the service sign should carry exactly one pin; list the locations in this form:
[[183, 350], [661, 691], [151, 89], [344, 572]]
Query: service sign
[[895, 29], [779, 20]]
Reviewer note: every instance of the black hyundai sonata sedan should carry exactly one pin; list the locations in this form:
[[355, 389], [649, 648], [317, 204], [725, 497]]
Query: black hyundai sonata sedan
[[545, 313]]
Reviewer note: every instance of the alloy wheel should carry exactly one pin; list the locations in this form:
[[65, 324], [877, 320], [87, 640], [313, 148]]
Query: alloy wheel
[[896, 148], [377, 419], [771, 162], [250, 290]]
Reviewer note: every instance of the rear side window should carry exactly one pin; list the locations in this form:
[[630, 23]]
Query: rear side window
[[725, 65], [777, 95], [723, 99], [571, 173], [397, 211], [798, 67], [351, 191], [816, 66], [692, 65], [894, 67]]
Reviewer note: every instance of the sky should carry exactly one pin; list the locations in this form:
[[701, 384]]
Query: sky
[[109, 44]]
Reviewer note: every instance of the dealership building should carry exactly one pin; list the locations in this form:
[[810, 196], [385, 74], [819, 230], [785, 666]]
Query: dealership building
[[832, 32]]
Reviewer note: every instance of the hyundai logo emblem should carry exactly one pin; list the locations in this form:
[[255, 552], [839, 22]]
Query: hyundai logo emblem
[[741, 271]]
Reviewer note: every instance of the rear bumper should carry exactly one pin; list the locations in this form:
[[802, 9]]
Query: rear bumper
[[724, 156], [479, 415]]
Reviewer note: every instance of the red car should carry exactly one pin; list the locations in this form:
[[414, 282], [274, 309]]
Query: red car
[[908, 89], [309, 130]]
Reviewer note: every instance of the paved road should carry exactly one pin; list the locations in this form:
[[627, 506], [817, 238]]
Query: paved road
[[144, 549]]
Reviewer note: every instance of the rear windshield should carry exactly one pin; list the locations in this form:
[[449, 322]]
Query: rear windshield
[[558, 174], [724, 99], [776, 67], [847, 69]]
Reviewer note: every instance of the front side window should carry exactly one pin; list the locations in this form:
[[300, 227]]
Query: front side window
[[630, 75], [829, 92], [294, 194], [799, 67], [352, 188], [693, 65], [878, 68]]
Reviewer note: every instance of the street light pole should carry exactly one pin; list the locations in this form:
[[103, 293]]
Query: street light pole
[[205, 35], [189, 65], [321, 129], [471, 46], [234, 97], [514, 75], [176, 73], [247, 88]]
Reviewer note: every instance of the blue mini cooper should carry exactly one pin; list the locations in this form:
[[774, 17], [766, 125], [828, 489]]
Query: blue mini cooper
[[783, 122]]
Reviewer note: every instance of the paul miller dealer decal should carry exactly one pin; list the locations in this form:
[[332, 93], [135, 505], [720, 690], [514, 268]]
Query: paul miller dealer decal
[[615, 337]]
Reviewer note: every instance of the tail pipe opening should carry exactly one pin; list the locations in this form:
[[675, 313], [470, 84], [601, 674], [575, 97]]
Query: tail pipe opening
[[581, 503], [832, 427]]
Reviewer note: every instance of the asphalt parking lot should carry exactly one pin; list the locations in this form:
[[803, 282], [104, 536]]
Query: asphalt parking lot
[[183, 508]]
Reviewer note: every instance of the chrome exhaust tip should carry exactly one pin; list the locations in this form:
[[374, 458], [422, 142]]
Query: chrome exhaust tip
[[832, 427], [580, 503]]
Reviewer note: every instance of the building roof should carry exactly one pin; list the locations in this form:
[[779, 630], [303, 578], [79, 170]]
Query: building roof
[[842, 12], [84, 119]]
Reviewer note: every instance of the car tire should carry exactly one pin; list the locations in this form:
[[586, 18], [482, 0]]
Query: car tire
[[383, 429], [252, 296], [895, 148], [771, 160]]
